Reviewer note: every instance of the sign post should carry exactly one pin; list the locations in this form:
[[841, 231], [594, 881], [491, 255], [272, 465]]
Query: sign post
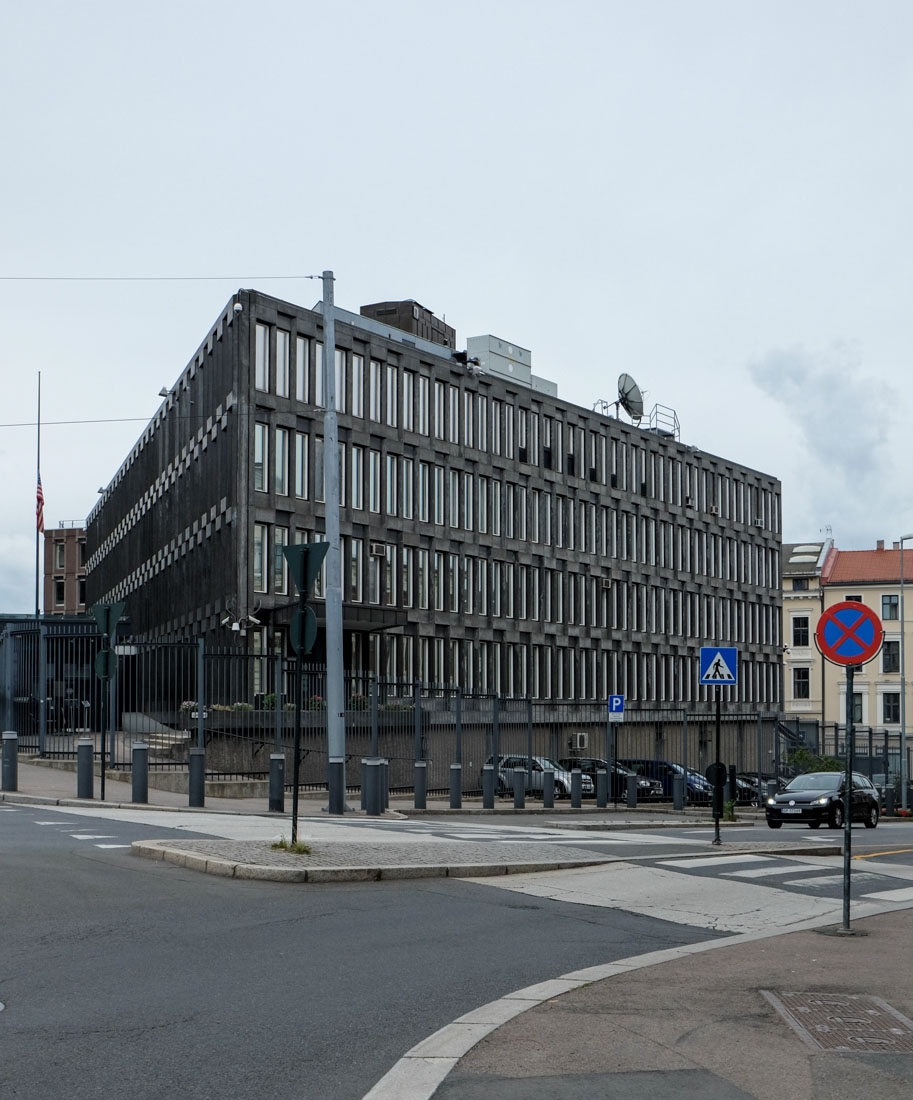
[[848, 634], [614, 713], [107, 615], [719, 667]]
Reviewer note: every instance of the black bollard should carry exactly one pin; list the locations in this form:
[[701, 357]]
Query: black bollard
[[139, 775]]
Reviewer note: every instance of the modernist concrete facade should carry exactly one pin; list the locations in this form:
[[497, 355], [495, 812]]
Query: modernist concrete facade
[[493, 535]]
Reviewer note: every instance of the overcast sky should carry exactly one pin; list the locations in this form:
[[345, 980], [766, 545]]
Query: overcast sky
[[715, 197]]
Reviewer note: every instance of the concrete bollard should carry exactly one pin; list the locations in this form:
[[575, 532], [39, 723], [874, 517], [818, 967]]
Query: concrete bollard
[[519, 788], [576, 788], [456, 786], [85, 767], [277, 782], [197, 778], [678, 792], [10, 761], [488, 786], [602, 788], [372, 785], [632, 792], [139, 775], [548, 789], [421, 784]]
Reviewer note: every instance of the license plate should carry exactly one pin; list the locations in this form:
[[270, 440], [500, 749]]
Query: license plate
[[797, 810]]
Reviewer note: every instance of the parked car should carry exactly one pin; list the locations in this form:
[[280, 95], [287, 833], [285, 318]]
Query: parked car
[[747, 791], [699, 790], [647, 789], [817, 798], [504, 783]]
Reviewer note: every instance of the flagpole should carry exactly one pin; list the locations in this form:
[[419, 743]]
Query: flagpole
[[39, 516]]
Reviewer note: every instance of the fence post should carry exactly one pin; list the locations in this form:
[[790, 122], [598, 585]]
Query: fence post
[[685, 750], [417, 718], [201, 699], [375, 719], [280, 707], [139, 775], [10, 761], [85, 766], [197, 777], [42, 688], [277, 782]]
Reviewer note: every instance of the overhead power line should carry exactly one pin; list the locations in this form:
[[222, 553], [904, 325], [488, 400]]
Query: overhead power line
[[143, 278]]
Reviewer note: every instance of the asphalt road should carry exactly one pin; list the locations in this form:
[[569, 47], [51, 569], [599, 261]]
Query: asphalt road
[[124, 977]]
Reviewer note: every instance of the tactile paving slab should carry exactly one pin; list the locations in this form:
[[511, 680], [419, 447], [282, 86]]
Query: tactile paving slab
[[843, 1022]]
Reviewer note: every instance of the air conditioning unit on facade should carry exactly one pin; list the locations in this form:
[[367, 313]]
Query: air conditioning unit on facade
[[578, 740], [759, 523], [714, 509], [377, 549], [689, 502]]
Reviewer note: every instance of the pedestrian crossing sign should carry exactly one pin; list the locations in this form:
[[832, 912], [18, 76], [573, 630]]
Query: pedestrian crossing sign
[[719, 665]]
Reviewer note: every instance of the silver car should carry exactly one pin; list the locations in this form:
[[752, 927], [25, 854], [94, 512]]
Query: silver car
[[535, 776]]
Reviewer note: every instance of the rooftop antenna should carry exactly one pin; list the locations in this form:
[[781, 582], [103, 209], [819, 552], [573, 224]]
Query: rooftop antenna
[[629, 397]]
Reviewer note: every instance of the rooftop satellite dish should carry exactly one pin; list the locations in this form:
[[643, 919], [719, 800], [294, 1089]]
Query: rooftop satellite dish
[[629, 397]]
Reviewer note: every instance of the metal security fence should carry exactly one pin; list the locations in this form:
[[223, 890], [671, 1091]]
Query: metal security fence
[[241, 709]]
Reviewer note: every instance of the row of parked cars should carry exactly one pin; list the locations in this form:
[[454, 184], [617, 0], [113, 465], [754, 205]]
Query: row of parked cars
[[653, 778]]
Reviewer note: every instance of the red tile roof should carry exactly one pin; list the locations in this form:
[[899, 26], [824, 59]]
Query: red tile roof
[[868, 567]]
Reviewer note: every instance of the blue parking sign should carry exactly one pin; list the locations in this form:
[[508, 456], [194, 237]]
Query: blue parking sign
[[616, 708]]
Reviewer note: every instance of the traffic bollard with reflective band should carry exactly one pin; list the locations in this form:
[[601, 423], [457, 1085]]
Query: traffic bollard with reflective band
[[372, 784], [85, 767], [519, 788], [602, 788], [139, 775], [576, 788], [421, 784], [10, 761], [548, 789], [277, 782], [197, 779], [488, 787], [456, 786]]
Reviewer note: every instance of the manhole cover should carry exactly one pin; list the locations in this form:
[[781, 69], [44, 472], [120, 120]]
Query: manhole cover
[[845, 1021]]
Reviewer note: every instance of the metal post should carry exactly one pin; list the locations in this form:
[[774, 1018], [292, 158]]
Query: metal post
[[106, 718], [631, 787], [277, 782], [421, 784], [904, 775], [10, 761], [519, 788], [685, 749], [548, 789], [458, 719], [679, 786], [375, 719], [456, 786], [277, 691], [43, 689], [85, 767], [336, 722], [139, 773], [602, 784], [529, 743], [371, 782], [197, 777], [576, 788], [417, 720], [717, 808], [848, 797], [488, 787], [296, 750]]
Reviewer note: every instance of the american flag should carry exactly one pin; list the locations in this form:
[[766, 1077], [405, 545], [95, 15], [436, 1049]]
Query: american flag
[[39, 507]]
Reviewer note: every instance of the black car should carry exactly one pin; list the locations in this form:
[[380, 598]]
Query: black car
[[647, 789], [817, 799]]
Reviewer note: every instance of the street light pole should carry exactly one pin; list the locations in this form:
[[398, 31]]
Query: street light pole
[[903, 685]]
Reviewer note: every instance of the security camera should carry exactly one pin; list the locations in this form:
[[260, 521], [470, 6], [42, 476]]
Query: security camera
[[237, 307], [252, 619], [226, 620]]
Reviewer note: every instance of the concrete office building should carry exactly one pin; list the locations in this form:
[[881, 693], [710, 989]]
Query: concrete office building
[[493, 535], [65, 570]]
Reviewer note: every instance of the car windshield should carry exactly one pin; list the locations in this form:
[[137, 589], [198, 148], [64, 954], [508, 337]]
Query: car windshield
[[817, 781]]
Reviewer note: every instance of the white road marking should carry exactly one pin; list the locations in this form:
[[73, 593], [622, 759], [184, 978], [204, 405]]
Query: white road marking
[[712, 861], [92, 836], [892, 895], [112, 845], [761, 872]]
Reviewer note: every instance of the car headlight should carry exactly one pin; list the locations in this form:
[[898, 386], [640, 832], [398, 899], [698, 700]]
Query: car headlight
[[771, 802], [822, 801]]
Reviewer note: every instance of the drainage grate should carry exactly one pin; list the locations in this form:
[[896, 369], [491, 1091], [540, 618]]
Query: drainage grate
[[844, 1022]]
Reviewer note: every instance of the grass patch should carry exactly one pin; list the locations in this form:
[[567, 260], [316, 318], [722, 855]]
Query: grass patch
[[299, 847]]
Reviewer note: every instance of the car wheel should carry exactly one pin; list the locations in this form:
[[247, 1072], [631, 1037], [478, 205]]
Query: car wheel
[[560, 792], [836, 821], [774, 824], [871, 819], [814, 824]]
